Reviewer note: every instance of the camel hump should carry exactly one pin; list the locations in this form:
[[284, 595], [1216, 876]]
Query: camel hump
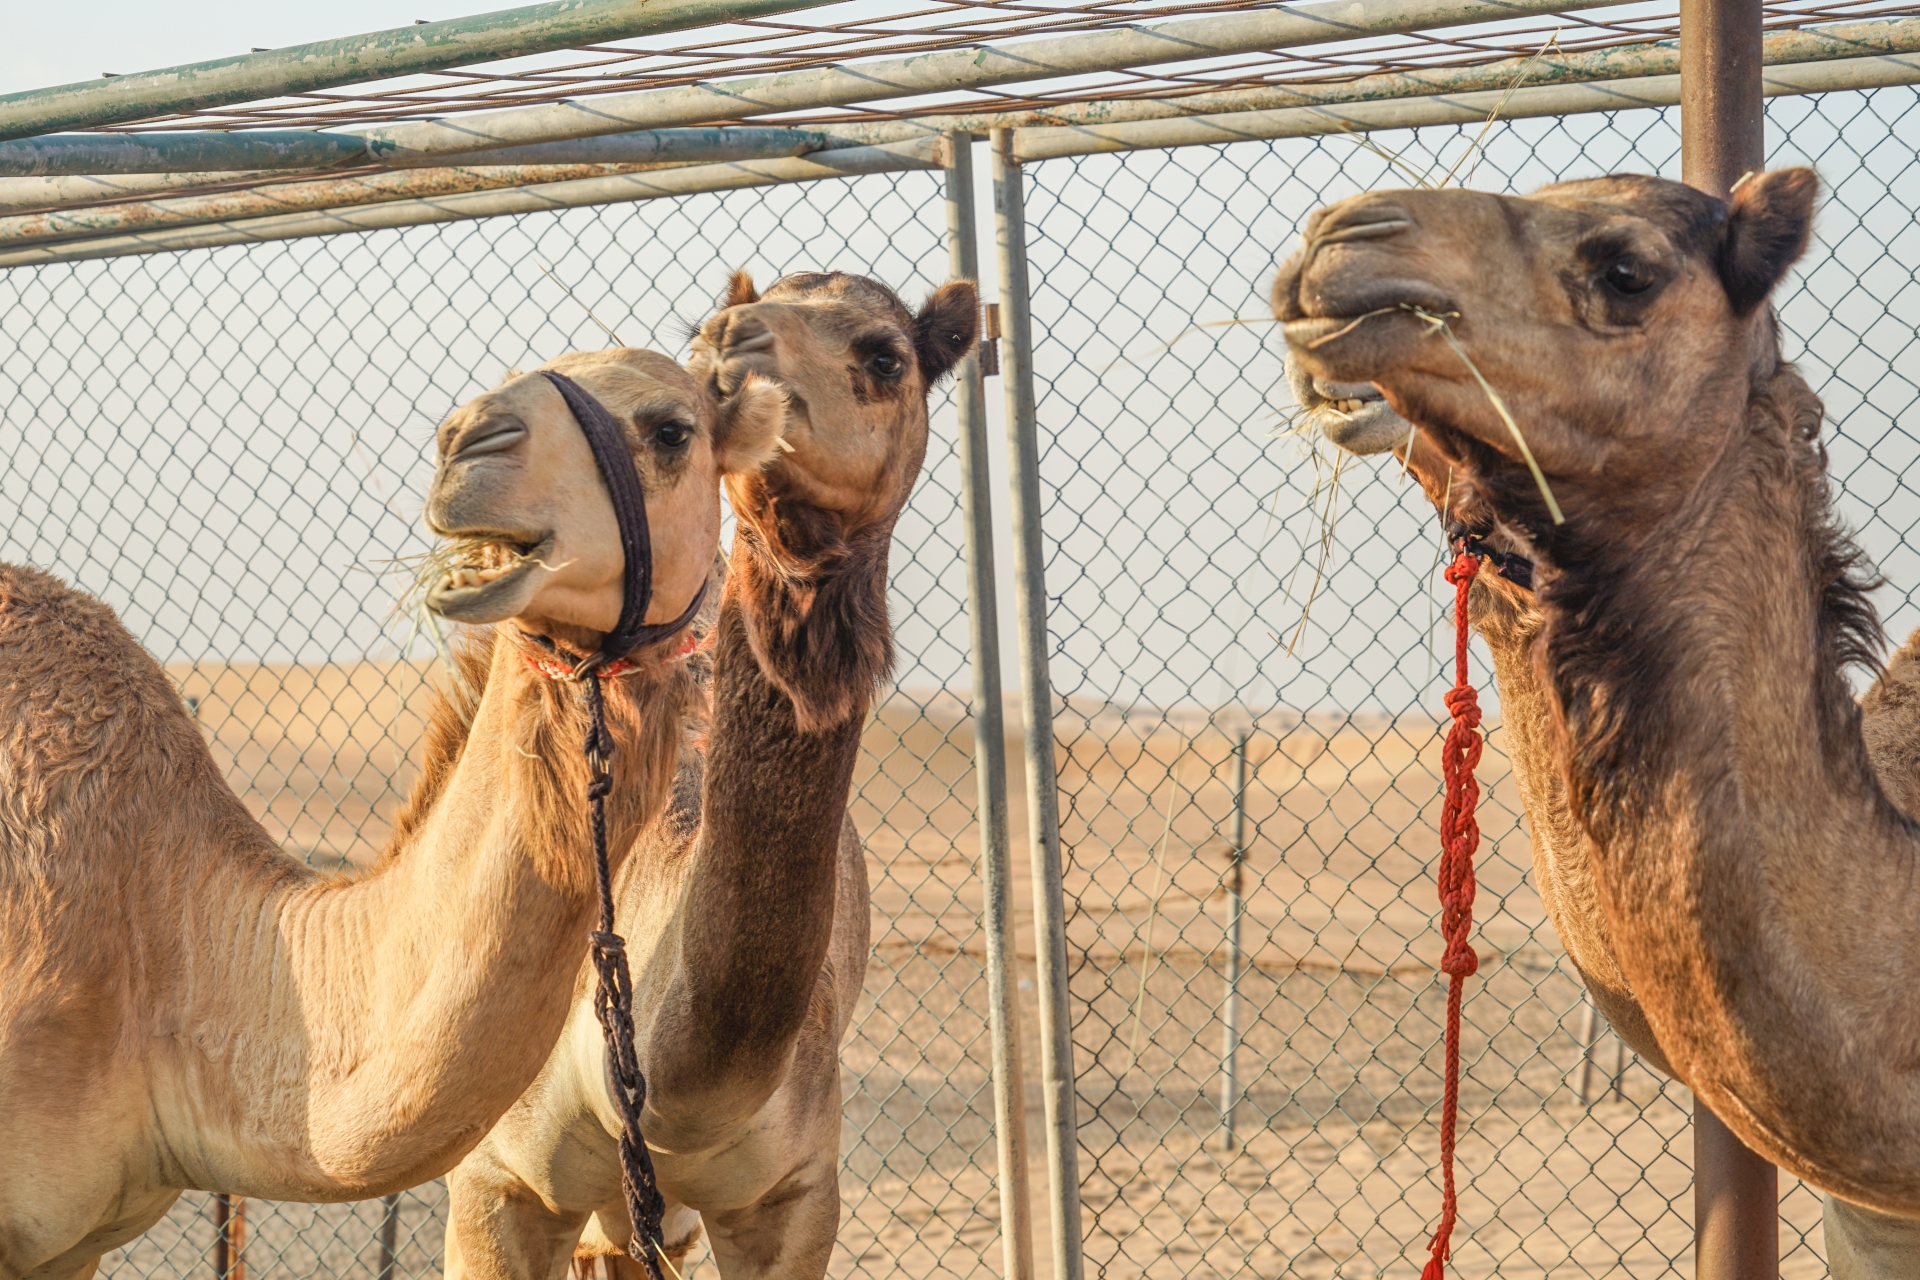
[[79, 697]]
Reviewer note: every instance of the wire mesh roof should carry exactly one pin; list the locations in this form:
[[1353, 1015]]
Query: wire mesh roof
[[841, 33]]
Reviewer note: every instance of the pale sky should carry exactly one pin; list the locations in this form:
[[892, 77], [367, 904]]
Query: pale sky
[[61, 44]]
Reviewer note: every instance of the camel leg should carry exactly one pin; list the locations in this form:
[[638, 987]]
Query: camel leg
[[498, 1229], [787, 1233], [1864, 1244]]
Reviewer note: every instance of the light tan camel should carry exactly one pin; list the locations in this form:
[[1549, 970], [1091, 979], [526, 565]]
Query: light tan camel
[[745, 907], [184, 1005], [1685, 742]]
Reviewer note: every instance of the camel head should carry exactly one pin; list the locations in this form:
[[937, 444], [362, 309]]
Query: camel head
[[1621, 320], [518, 486], [858, 366]]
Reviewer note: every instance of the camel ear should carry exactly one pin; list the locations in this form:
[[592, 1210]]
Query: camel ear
[[946, 328], [1770, 218], [747, 428], [740, 290]]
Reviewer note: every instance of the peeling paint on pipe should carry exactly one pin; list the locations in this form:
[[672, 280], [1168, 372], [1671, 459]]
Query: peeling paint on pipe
[[101, 155], [1799, 45], [1573, 99], [377, 55], [1464, 108], [881, 79], [687, 180], [288, 197], [697, 145]]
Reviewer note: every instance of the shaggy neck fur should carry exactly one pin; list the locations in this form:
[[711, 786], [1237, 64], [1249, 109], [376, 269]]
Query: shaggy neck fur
[[801, 643], [1760, 885]]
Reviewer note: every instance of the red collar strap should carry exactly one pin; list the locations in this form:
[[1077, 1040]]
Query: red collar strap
[[559, 669]]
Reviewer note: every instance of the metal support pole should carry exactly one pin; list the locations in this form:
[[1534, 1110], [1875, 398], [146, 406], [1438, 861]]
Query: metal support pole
[[1722, 109], [1036, 700], [989, 743], [389, 1234], [1736, 1194], [1589, 1027], [1736, 1205], [1236, 903], [229, 1237]]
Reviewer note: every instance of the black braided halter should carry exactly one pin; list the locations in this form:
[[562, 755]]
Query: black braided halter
[[613, 997]]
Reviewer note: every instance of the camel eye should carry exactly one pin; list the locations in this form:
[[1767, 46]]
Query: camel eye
[[673, 433], [1627, 277], [887, 365]]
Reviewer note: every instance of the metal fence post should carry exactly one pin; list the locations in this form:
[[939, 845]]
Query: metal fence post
[[1236, 907], [989, 743], [230, 1237], [1036, 697], [1736, 1194], [389, 1234]]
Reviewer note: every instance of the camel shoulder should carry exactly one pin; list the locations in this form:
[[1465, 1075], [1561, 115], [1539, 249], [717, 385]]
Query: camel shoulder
[[1890, 724]]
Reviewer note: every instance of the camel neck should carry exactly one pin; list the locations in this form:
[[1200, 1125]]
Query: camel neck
[[1758, 884], [759, 904], [403, 1012]]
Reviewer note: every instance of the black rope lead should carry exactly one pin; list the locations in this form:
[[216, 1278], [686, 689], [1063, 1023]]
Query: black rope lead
[[613, 996], [613, 1005]]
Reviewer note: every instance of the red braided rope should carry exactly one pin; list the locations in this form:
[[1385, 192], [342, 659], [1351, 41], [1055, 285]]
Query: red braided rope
[[1459, 837]]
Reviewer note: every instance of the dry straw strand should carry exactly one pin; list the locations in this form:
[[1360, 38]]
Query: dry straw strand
[[1153, 915], [583, 306], [1445, 330]]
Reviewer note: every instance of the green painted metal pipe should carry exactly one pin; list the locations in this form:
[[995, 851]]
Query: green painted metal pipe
[[344, 192], [879, 79], [377, 55], [840, 162], [951, 70], [1030, 144], [185, 151], [1792, 46], [101, 155], [1442, 109]]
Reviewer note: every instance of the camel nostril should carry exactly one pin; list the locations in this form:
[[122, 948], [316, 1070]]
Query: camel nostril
[[1372, 220], [493, 438], [744, 338]]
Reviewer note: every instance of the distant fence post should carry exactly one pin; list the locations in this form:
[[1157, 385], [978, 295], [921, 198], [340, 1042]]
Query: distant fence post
[[989, 742], [1036, 700], [1236, 908], [229, 1238]]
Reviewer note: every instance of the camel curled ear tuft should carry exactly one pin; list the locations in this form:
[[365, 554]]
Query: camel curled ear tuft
[[749, 424], [740, 290], [1768, 223], [946, 328]]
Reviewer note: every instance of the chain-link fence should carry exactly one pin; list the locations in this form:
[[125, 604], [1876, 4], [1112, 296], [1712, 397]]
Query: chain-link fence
[[229, 447]]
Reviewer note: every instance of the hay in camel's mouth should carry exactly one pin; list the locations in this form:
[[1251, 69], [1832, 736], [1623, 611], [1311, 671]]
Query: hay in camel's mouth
[[478, 579]]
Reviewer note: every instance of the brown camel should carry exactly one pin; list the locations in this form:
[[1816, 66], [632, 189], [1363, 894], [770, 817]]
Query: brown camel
[[1697, 775], [1861, 1243], [745, 907], [184, 1005]]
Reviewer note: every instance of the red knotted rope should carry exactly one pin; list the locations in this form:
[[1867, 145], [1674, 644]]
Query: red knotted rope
[[1459, 837]]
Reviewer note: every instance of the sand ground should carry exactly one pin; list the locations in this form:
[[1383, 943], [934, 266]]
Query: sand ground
[[1338, 1007]]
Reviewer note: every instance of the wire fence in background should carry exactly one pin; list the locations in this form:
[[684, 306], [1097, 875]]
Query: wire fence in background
[[229, 446]]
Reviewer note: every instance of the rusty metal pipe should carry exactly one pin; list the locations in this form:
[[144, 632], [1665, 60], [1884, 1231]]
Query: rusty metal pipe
[[1722, 110], [1736, 1194], [1736, 1205], [377, 55]]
